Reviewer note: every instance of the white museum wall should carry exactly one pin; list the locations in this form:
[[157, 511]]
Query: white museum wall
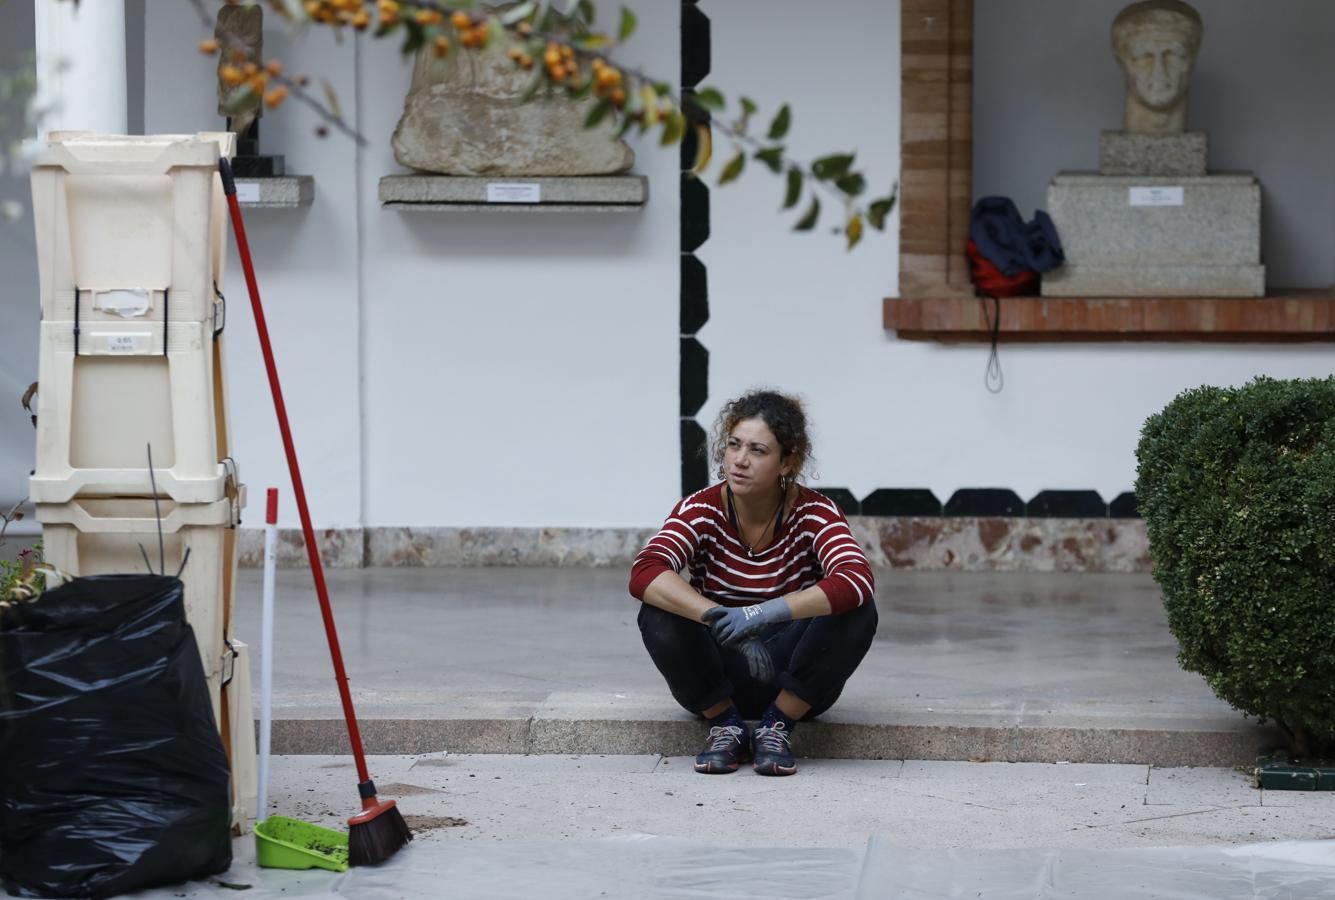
[[521, 369], [444, 368], [306, 263], [795, 311], [509, 370]]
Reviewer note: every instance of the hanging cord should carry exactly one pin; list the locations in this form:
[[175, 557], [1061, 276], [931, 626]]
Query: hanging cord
[[992, 377]]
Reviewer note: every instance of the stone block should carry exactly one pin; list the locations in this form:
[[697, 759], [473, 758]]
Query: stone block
[[1125, 153], [279, 192], [1155, 281], [1142, 236]]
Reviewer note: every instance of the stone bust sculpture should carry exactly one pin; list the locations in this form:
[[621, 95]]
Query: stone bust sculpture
[[1155, 43]]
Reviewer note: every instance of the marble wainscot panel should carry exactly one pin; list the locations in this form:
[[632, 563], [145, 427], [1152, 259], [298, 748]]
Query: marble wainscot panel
[[505, 546], [925, 544], [967, 544], [340, 548]]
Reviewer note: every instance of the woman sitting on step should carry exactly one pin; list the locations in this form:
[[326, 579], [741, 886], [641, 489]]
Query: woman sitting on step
[[779, 607]]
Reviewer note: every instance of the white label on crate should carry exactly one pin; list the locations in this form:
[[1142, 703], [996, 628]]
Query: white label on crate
[[247, 192], [498, 192], [129, 302], [122, 342], [1156, 196]]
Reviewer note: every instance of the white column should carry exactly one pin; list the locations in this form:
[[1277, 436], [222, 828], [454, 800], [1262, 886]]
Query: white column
[[81, 66]]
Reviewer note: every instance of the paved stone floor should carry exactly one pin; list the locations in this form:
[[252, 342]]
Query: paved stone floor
[[1018, 667], [553, 826]]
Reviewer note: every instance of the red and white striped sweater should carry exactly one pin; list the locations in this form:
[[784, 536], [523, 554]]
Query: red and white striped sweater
[[813, 546]]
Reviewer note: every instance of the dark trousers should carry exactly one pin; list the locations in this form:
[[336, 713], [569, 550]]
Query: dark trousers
[[813, 658]]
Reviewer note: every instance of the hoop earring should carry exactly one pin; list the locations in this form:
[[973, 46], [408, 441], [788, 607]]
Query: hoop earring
[[783, 483]]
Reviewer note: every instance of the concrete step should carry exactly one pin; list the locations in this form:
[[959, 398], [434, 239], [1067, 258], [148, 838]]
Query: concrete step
[[574, 723]]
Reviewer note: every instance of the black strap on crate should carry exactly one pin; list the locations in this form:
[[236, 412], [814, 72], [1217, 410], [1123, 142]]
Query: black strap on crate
[[218, 329], [232, 489], [166, 317], [229, 664]]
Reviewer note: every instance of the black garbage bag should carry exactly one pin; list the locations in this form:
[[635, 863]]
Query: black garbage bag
[[112, 774]]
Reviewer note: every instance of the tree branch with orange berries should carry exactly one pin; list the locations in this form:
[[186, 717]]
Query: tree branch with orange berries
[[566, 53]]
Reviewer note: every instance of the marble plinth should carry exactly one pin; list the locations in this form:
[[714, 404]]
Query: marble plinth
[[1126, 153], [1140, 236]]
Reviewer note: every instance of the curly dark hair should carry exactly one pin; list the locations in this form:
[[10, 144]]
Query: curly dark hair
[[781, 413]]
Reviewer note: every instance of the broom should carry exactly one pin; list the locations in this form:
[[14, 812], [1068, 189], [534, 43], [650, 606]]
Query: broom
[[378, 831]]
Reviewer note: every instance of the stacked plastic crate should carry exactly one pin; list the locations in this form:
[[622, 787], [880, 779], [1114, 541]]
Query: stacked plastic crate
[[131, 245]]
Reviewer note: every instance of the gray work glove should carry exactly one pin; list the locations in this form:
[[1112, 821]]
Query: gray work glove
[[730, 624], [757, 658]]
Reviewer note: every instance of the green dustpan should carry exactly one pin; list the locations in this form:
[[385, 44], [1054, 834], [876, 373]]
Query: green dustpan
[[283, 843]]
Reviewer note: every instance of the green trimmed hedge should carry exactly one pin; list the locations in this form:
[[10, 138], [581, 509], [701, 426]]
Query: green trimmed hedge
[[1237, 489]]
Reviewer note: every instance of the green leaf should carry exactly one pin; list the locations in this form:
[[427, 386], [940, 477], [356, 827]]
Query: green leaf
[[704, 148], [674, 128], [833, 166], [709, 99], [586, 10], [626, 124], [535, 84], [627, 27], [779, 127], [854, 230], [414, 39], [852, 184], [733, 168], [744, 122], [583, 91], [650, 98], [879, 209], [595, 41], [241, 98], [331, 99], [772, 157], [519, 13], [808, 220], [795, 180], [598, 113]]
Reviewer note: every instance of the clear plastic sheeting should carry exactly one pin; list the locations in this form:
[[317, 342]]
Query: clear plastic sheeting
[[642, 866], [1294, 870]]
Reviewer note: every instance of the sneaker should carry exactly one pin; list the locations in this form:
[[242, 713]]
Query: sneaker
[[774, 751], [729, 746]]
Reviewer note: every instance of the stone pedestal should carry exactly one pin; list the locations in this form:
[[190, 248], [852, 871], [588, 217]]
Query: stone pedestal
[[1155, 236], [1127, 153]]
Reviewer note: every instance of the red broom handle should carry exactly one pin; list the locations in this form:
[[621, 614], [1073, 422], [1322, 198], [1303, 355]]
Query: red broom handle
[[321, 591]]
